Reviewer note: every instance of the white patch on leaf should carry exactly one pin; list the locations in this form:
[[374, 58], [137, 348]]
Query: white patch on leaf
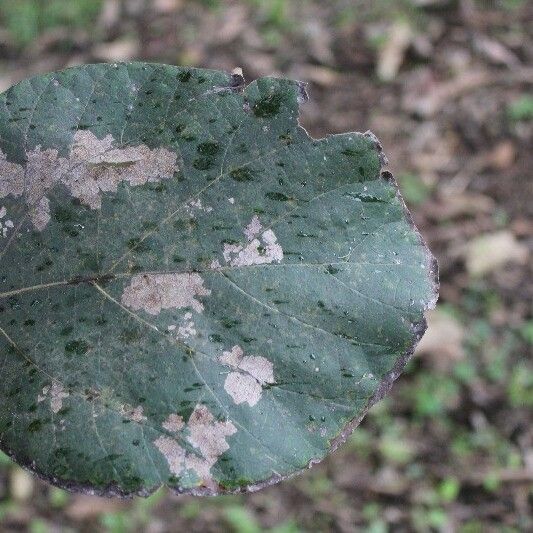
[[232, 357], [262, 247], [252, 372], [173, 423], [40, 214], [93, 167], [133, 413], [173, 453], [215, 264], [253, 228], [12, 181], [96, 167], [155, 292], [56, 394], [5, 225], [187, 328], [206, 434], [209, 436], [243, 388], [196, 205]]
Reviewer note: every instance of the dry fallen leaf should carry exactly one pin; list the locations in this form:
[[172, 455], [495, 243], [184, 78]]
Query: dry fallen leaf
[[452, 205], [166, 6], [389, 481], [392, 54], [21, 484], [495, 51], [120, 50], [324, 76], [84, 507], [443, 341], [490, 252], [503, 155]]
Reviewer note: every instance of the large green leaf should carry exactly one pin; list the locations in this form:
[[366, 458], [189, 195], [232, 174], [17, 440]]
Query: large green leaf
[[193, 291]]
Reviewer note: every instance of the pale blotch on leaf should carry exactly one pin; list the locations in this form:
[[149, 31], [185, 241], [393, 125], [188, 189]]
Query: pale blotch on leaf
[[195, 206], [56, 394], [253, 228], [5, 225], [173, 453], [173, 423], [40, 214], [252, 372], [133, 413], [155, 292], [186, 329], [206, 434], [93, 166], [209, 436], [12, 181], [215, 264], [262, 247]]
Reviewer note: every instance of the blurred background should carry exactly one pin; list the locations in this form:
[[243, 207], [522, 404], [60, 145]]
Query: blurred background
[[447, 87]]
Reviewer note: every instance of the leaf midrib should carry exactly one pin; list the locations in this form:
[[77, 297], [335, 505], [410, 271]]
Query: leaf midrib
[[75, 281]]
